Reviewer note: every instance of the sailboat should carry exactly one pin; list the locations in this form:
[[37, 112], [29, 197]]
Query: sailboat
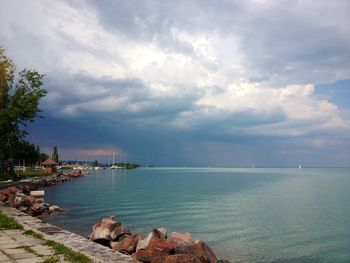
[[299, 166], [115, 166]]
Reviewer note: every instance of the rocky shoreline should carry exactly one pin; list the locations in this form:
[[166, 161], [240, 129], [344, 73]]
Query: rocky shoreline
[[156, 247], [19, 197]]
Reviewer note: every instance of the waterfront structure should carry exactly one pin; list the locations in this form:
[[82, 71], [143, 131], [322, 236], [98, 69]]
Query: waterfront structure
[[50, 166]]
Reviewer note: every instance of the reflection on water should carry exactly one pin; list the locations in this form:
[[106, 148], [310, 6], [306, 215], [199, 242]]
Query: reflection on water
[[246, 215]]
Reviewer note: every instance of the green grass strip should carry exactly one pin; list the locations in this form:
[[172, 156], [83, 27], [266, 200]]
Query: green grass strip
[[33, 234], [68, 253], [8, 223]]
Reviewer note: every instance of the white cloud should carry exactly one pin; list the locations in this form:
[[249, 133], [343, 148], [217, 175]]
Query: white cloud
[[212, 68]]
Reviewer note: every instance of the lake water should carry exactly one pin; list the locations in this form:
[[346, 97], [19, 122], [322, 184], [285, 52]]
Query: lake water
[[245, 215]]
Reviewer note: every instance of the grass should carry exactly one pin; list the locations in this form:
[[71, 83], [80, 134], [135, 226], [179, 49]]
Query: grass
[[60, 250], [8, 223], [52, 259], [68, 253], [33, 234]]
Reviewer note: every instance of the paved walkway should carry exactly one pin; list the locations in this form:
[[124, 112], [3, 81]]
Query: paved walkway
[[76, 242], [17, 247]]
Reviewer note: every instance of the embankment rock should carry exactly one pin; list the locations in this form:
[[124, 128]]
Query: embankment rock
[[127, 244], [106, 230]]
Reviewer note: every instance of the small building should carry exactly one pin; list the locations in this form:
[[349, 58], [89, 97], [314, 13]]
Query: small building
[[50, 166]]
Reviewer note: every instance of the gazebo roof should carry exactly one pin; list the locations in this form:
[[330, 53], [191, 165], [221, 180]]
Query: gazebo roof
[[49, 162]]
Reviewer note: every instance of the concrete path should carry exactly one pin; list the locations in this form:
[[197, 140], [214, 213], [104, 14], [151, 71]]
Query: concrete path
[[17, 247], [76, 242]]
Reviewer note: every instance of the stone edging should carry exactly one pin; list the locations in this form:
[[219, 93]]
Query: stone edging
[[76, 242]]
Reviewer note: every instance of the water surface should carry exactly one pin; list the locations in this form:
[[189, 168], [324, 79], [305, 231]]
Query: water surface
[[245, 214]]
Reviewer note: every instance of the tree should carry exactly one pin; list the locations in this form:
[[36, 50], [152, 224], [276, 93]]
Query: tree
[[55, 154], [19, 104]]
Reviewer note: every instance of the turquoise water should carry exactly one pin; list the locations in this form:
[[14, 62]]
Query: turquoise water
[[246, 215]]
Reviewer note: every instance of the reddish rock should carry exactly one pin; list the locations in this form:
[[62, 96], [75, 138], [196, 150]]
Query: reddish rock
[[183, 242], [23, 200], [105, 230], [128, 244], [184, 238], [156, 248], [203, 252], [178, 258], [3, 198], [160, 232], [120, 232], [6, 192], [13, 189], [10, 200], [36, 209], [157, 232]]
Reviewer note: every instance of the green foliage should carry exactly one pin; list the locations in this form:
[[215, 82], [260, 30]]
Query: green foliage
[[19, 104], [8, 223], [95, 163], [55, 154]]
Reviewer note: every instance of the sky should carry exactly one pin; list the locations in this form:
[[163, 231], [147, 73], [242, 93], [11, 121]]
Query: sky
[[188, 83]]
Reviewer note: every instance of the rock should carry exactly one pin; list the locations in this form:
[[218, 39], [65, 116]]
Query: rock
[[105, 230], [10, 200], [54, 208], [177, 258], [6, 192], [36, 209], [120, 232], [23, 200], [3, 197], [17, 202], [203, 252], [13, 189], [160, 232], [223, 261], [183, 241], [25, 188], [157, 232], [156, 248], [184, 237], [23, 208], [127, 244], [28, 201]]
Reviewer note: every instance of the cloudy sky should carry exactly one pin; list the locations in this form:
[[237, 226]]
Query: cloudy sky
[[188, 83]]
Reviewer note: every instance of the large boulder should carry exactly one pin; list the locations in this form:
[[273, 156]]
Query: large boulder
[[183, 242], [36, 209], [106, 230], [156, 232], [23, 200], [3, 197], [157, 247], [127, 244], [7, 192], [203, 252], [120, 232]]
